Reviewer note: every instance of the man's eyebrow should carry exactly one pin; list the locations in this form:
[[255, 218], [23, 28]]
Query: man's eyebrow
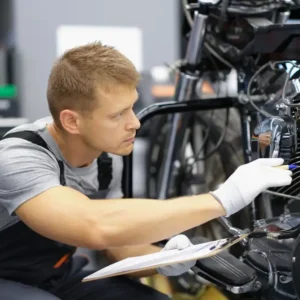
[[137, 98], [128, 107]]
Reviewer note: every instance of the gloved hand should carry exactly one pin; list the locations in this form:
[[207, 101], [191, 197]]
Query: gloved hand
[[248, 181], [177, 242]]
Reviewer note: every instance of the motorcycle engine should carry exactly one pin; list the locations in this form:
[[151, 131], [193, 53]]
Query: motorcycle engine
[[279, 136], [239, 30], [251, 34]]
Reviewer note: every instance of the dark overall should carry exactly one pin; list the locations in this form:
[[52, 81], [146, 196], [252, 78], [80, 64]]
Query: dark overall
[[31, 264]]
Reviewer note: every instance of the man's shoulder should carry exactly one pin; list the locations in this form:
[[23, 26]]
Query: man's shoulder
[[10, 141], [36, 126], [20, 149]]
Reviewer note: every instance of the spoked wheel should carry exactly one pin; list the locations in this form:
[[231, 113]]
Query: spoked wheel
[[199, 166]]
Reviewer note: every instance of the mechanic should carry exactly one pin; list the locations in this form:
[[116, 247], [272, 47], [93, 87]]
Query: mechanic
[[51, 169]]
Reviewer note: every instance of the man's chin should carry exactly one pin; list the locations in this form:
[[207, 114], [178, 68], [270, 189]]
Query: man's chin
[[124, 151]]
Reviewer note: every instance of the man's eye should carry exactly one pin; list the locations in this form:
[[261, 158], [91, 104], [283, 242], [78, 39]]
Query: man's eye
[[118, 115]]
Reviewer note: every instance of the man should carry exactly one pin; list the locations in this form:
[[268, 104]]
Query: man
[[51, 168]]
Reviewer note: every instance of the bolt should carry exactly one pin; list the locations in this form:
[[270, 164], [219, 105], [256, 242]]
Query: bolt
[[241, 77], [280, 107], [257, 285], [177, 164]]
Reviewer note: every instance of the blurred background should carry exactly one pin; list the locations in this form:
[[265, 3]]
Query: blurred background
[[33, 33]]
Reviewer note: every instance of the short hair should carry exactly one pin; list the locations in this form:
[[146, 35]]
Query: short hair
[[78, 73]]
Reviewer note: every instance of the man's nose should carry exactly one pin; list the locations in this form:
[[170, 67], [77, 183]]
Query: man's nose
[[137, 122], [134, 122]]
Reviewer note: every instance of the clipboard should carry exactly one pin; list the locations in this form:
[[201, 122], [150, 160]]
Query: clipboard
[[164, 258]]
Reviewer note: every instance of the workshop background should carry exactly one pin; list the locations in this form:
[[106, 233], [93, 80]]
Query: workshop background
[[33, 33]]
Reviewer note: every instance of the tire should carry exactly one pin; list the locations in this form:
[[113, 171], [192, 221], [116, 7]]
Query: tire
[[228, 158]]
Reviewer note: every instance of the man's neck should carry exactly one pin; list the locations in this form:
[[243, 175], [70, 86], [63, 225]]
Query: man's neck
[[74, 151]]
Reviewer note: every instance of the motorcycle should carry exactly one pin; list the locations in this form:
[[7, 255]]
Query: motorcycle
[[257, 41]]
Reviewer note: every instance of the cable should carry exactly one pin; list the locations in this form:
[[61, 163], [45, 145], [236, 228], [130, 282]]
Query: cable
[[212, 59], [220, 141], [218, 144], [263, 112], [281, 195], [283, 97], [272, 65], [186, 12], [206, 136], [219, 57], [288, 75], [205, 139]]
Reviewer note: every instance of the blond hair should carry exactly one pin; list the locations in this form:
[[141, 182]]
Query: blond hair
[[77, 74]]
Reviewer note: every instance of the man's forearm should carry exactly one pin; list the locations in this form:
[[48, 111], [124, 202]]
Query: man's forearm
[[142, 221]]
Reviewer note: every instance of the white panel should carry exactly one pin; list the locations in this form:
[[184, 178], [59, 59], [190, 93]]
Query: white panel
[[128, 40]]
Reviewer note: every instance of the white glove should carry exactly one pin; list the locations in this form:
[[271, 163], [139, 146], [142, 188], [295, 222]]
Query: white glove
[[248, 181], [177, 242]]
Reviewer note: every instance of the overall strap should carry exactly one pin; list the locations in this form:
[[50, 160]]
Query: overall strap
[[104, 161], [104, 171], [35, 138]]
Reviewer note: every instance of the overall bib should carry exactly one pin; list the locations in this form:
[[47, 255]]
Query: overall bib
[[26, 256]]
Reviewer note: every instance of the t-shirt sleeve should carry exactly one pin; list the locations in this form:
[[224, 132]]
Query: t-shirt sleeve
[[115, 187], [27, 170]]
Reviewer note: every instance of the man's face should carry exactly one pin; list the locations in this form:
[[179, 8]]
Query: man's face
[[112, 125]]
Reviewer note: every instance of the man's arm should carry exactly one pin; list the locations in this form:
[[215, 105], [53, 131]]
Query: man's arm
[[29, 187], [65, 215]]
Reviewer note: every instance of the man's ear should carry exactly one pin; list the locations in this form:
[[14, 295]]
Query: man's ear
[[70, 121]]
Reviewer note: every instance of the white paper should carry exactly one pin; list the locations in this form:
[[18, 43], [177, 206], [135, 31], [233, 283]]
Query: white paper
[[128, 40], [158, 259]]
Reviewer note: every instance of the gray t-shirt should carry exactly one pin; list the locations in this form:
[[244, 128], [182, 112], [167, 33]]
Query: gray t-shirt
[[28, 170]]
